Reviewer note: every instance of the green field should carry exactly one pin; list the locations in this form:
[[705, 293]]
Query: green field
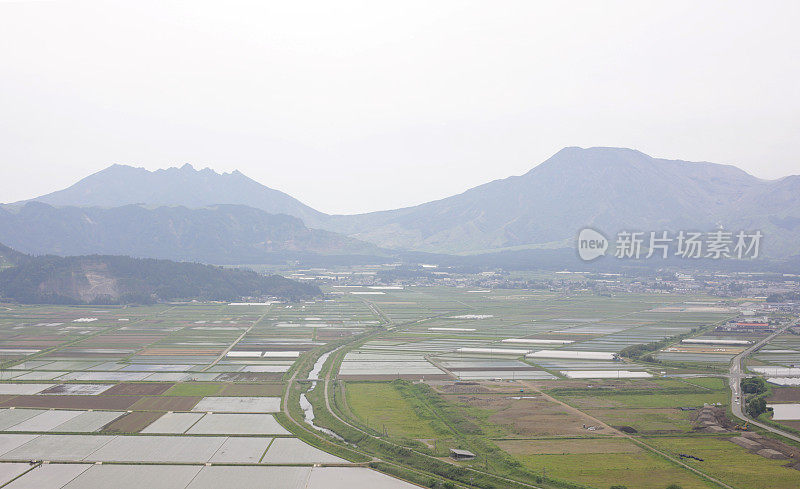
[[653, 411], [380, 405], [646, 420], [732, 463], [716, 383], [193, 389], [649, 401], [639, 470]]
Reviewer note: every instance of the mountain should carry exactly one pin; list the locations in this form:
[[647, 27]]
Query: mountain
[[610, 189], [120, 185], [9, 257], [100, 279], [222, 234]]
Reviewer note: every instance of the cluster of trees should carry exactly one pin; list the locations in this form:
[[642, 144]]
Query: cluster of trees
[[756, 407], [784, 297], [757, 390], [754, 385], [73, 280], [643, 351], [404, 273], [9, 257]]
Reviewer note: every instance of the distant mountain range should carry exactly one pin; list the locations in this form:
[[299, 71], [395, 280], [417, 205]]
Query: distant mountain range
[[120, 185], [98, 279], [609, 189], [222, 234]]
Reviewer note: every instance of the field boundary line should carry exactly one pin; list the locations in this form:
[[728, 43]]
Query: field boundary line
[[241, 336]]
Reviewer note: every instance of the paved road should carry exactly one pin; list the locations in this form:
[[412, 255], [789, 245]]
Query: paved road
[[327, 382], [737, 373]]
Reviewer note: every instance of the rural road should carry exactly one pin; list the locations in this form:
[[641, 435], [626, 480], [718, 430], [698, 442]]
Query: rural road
[[737, 373], [327, 380], [633, 439], [241, 336]]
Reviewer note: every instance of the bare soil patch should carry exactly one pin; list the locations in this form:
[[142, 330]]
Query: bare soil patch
[[560, 447], [760, 442], [481, 387], [598, 384], [131, 422], [530, 417], [165, 403], [785, 394]]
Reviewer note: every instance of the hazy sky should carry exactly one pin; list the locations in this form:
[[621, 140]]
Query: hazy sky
[[358, 106]]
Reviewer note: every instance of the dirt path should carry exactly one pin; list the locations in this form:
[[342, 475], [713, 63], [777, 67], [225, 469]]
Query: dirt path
[[633, 439], [575, 410], [227, 350], [326, 384], [330, 374]]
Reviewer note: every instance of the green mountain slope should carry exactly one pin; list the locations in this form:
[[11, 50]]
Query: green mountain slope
[[9, 257], [101, 279]]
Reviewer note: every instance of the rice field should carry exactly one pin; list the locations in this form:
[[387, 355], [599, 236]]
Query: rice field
[[195, 385], [186, 395], [87, 476]]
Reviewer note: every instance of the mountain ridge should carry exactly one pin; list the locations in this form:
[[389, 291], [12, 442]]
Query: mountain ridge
[[608, 188], [119, 185], [222, 234]]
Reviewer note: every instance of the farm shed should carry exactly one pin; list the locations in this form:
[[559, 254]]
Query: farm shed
[[457, 454]]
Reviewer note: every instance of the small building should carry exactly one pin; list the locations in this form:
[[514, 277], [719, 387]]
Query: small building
[[457, 454]]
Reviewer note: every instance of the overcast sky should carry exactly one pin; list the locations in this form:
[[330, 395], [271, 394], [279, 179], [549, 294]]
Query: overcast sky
[[360, 106]]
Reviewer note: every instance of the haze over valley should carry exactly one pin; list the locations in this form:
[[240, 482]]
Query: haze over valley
[[400, 245], [201, 215]]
